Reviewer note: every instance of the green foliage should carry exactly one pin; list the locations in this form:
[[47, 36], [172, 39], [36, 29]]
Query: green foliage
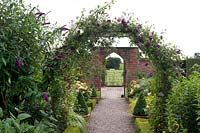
[[113, 63], [24, 40], [19, 125], [75, 120], [81, 106], [32, 62], [86, 95], [94, 91], [72, 129], [190, 62], [140, 106], [142, 125], [140, 75], [143, 86], [182, 105]]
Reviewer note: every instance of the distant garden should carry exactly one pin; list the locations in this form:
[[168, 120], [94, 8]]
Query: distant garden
[[47, 72]]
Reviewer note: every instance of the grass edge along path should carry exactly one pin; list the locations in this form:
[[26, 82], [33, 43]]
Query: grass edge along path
[[142, 125]]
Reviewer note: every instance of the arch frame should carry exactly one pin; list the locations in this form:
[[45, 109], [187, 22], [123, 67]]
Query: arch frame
[[97, 29]]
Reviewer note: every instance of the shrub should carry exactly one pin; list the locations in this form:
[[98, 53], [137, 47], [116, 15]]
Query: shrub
[[24, 40], [19, 124], [182, 105], [94, 91], [81, 106], [86, 95], [140, 106]]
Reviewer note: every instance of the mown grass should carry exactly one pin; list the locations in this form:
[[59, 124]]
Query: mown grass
[[142, 125], [114, 77]]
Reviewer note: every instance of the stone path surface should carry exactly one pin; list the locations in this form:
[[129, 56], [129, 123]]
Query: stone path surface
[[111, 113]]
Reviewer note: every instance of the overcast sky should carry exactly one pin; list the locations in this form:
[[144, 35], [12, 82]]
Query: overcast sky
[[180, 18]]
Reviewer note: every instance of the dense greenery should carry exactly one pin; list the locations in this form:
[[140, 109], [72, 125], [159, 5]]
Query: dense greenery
[[39, 70], [190, 62], [94, 90], [113, 63], [182, 105], [140, 106]]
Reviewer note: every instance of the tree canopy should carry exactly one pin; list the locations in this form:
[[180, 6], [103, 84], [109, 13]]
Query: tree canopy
[[113, 63]]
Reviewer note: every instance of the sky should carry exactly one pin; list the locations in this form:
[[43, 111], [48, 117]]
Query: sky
[[179, 19]]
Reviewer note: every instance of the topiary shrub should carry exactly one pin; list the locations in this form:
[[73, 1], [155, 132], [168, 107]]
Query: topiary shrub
[[94, 91], [81, 106], [86, 95], [140, 106]]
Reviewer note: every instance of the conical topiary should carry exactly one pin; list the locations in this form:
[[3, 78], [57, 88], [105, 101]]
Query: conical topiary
[[94, 91], [82, 106], [140, 106], [86, 95]]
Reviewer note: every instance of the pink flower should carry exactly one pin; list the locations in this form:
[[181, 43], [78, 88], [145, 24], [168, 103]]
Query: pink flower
[[19, 63], [45, 96]]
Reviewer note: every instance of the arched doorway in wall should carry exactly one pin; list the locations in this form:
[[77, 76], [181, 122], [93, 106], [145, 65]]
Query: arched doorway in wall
[[114, 75]]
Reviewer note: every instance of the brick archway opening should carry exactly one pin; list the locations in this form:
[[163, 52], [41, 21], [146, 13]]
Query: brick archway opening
[[132, 63], [114, 77]]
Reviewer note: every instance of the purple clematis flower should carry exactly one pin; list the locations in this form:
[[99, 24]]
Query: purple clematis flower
[[59, 56], [150, 38], [39, 14], [63, 28], [124, 23], [119, 20], [178, 51], [139, 26], [45, 96], [147, 45], [156, 45], [139, 44], [19, 63]]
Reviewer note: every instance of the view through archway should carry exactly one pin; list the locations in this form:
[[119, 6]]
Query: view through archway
[[114, 70]]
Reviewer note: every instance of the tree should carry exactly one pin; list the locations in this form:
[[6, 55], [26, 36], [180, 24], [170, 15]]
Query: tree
[[197, 55], [113, 63]]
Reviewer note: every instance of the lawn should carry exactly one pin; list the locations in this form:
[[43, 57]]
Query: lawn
[[114, 77]]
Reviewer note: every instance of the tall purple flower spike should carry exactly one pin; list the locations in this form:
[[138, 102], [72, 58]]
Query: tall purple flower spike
[[45, 96], [19, 63]]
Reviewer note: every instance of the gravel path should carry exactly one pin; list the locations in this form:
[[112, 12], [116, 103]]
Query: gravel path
[[111, 113]]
